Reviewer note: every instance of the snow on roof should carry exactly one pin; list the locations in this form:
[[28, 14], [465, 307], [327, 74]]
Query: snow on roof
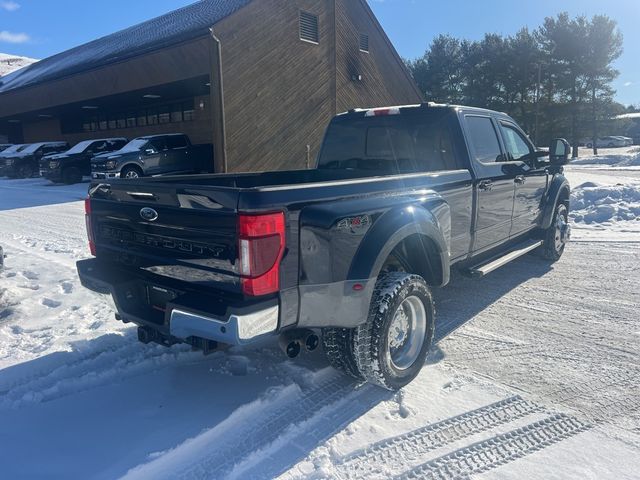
[[629, 115], [11, 63], [183, 24]]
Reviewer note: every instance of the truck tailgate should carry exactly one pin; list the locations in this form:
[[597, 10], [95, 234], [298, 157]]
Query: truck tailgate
[[170, 230]]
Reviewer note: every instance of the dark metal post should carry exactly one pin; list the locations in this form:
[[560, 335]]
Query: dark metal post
[[217, 107], [538, 88], [595, 121]]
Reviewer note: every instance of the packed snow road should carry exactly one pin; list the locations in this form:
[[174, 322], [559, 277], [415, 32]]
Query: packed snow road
[[536, 372]]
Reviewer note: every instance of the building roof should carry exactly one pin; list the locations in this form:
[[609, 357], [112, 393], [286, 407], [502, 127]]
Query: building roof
[[632, 115], [180, 25]]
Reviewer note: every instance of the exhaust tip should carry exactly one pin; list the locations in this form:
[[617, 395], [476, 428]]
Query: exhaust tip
[[293, 349], [312, 342]]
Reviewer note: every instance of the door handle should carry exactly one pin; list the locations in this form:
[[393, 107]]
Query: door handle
[[486, 185], [520, 180]]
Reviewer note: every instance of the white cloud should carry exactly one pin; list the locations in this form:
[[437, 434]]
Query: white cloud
[[9, 5], [11, 37], [628, 84]]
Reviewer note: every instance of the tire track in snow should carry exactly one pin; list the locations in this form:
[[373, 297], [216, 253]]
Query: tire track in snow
[[245, 444], [393, 453], [261, 432], [499, 450]]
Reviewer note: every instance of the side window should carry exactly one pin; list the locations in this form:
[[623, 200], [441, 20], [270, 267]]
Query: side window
[[484, 139], [98, 147], [517, 147], [176, 141], [159, 143]]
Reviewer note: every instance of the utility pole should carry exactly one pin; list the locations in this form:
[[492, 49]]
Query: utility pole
[[538, 88], [595, 120]]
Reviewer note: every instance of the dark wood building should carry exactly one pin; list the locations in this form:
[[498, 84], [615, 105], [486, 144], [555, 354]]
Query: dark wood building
[[259, 79]]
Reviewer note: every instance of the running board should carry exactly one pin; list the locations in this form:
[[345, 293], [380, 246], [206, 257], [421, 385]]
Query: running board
[[523, 249]]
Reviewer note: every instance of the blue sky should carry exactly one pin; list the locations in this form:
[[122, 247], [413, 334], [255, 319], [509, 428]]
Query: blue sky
[[39, 28]]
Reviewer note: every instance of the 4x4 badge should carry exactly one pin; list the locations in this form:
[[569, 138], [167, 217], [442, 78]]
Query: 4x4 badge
[[149, 214]]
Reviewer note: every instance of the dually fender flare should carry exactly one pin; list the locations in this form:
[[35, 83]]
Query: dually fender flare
[[559, 188], [433, 221]]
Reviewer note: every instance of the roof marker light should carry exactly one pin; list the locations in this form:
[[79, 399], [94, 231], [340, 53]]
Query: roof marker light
[[380, 112]]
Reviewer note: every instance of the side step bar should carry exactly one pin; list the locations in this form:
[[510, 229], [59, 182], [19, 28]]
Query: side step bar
[[522, 249]]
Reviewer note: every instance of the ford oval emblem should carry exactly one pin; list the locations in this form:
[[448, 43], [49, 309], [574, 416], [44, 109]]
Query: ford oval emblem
[[149, 214]]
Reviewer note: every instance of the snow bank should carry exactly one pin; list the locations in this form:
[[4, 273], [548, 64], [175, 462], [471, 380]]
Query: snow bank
[[592, 203], [615, 157]]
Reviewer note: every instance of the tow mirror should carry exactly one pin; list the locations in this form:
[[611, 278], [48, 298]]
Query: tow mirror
[[559, 151]]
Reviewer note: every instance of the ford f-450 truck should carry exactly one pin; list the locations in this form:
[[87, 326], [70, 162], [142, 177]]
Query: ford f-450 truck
[[345, 254]]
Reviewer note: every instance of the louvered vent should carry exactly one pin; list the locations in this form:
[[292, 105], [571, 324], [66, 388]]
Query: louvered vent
[[364, 43], [309, 27]]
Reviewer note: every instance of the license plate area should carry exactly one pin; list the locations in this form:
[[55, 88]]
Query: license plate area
[[158, 297]]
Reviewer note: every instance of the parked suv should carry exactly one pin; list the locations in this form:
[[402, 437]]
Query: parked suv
[[153, 155], [70, 166], [24, 164]]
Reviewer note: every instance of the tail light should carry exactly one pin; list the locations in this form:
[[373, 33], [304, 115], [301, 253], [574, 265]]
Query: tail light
[[87, 218], [261, 246]]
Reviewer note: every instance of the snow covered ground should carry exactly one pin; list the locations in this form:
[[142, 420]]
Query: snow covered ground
[[536, 373]]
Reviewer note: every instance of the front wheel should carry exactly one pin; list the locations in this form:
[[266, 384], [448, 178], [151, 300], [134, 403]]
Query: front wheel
[[24, 171], [557, 235], [391, 347], [131, 172]]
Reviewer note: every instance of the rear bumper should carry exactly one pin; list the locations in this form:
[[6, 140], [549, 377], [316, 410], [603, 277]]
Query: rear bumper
[[186, 315], [104, 175]]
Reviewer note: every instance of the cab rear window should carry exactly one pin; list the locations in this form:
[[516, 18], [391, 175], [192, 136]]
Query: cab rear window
[[391, 144]]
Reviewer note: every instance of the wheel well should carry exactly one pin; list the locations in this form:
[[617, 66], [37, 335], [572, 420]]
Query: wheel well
[[133, 166], [416, 254]]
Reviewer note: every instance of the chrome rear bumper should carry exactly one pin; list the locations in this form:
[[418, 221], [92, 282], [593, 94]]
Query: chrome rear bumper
[[236, 330]]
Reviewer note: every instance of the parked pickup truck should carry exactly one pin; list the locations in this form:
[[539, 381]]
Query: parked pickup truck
[[70, 166], [153, 155], [24, 163], [9, 152], [346, 253]]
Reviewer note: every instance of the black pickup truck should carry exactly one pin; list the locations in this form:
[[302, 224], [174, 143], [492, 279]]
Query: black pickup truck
[[344, 254], [153, 155], [25, 163], [70, 166]]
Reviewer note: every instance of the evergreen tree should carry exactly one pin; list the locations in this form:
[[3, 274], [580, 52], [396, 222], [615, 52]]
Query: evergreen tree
[[556, 81]]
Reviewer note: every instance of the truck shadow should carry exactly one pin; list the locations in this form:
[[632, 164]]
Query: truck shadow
[[465, 297], [111, 404], [38, 192]]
